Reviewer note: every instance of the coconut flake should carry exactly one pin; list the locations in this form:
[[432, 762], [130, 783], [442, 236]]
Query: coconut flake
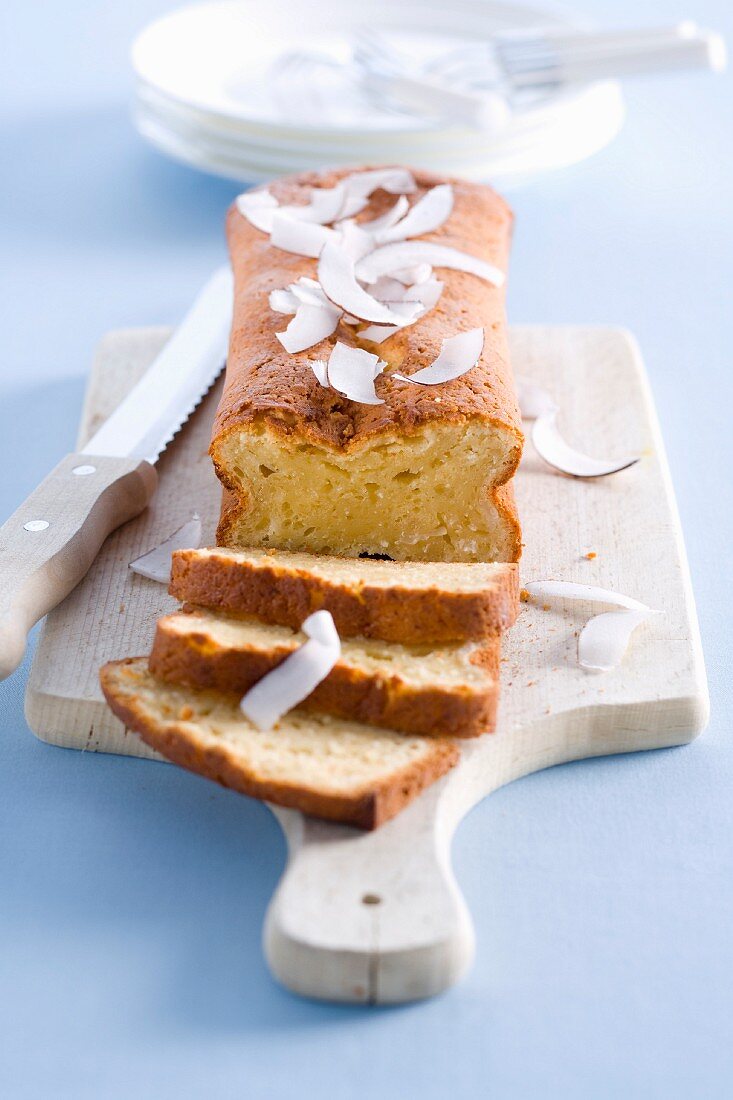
[[156, 564], [413, 276], [427, 296], [389, 218], [310, 292], [324, 207], [355, 241], [427, 215], [308, 284], [605, 637], [458, 354], [299, 674], [551, 447], [399, 254], [427, 293], [306, 291], [310, 325], [407, 312], [534, 401], [396, 181], [336, 276], [320, 369], [258, 207], [321, 628], [570, 590], [388, 290], [353, 205], [352, 372], [301, 238], [283, 301], [377, 334], [410, 312]]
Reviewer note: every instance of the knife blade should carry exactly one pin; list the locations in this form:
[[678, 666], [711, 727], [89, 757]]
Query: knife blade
[[145, 422], [49, 543]]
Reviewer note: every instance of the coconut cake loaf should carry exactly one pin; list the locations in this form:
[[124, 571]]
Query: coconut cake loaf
[[424, 475]]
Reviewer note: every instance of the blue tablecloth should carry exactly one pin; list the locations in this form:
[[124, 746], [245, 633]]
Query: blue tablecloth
[[132, 895]]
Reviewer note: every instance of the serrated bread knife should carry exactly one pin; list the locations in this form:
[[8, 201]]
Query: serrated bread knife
[[48, 545]]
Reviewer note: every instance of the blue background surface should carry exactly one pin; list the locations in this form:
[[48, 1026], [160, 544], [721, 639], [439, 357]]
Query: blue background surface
[[132, 894]]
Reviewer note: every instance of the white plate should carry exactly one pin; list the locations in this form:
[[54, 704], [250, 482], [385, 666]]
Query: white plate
[[216, 56], [201, 94], [599, 101], [506, 169]]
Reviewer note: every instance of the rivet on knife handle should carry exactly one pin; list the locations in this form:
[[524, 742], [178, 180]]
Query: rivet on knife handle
[[48, 545]]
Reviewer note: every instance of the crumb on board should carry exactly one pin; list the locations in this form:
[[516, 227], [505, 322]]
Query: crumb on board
[[526, 597], [591, 555], [122, 608]]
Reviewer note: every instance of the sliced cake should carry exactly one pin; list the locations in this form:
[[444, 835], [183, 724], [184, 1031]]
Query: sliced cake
[[452, 689], [414, 603], [330, 768]]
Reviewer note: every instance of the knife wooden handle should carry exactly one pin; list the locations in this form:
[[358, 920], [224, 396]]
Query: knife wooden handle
[[48, 545]]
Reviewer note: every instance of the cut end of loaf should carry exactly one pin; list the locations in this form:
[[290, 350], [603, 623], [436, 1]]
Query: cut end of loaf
[[425, 496], [334, 769]]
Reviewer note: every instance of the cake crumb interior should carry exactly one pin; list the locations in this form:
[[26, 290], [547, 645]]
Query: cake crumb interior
[[423, 496]]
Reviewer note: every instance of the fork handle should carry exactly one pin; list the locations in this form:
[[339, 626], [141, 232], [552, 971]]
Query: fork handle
[[580, 62]]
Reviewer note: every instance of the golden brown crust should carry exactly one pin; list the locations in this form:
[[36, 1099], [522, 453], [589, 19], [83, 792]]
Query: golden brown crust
[[195, 660], [285, 595], [365, 810], [506, 505], [232, 508], [266, 384]]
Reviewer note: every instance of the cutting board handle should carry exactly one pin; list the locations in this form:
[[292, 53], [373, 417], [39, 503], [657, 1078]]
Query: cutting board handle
[[372, 918]]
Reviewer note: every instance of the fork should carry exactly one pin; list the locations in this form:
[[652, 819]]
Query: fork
[[539, 59], [477, 84]]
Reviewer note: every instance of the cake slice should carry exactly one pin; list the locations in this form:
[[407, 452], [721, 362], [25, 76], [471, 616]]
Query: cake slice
[[452, 689], [422, 476], [414, 603], [327, 767]]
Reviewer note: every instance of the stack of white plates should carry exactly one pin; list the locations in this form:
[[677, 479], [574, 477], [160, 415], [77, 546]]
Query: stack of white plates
[[221, 86]]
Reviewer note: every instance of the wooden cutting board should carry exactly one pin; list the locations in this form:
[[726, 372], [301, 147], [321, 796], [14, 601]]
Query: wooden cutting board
[[378, 917]]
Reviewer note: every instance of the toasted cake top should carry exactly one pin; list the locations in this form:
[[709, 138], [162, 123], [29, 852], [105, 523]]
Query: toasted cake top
[[264, 382]]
